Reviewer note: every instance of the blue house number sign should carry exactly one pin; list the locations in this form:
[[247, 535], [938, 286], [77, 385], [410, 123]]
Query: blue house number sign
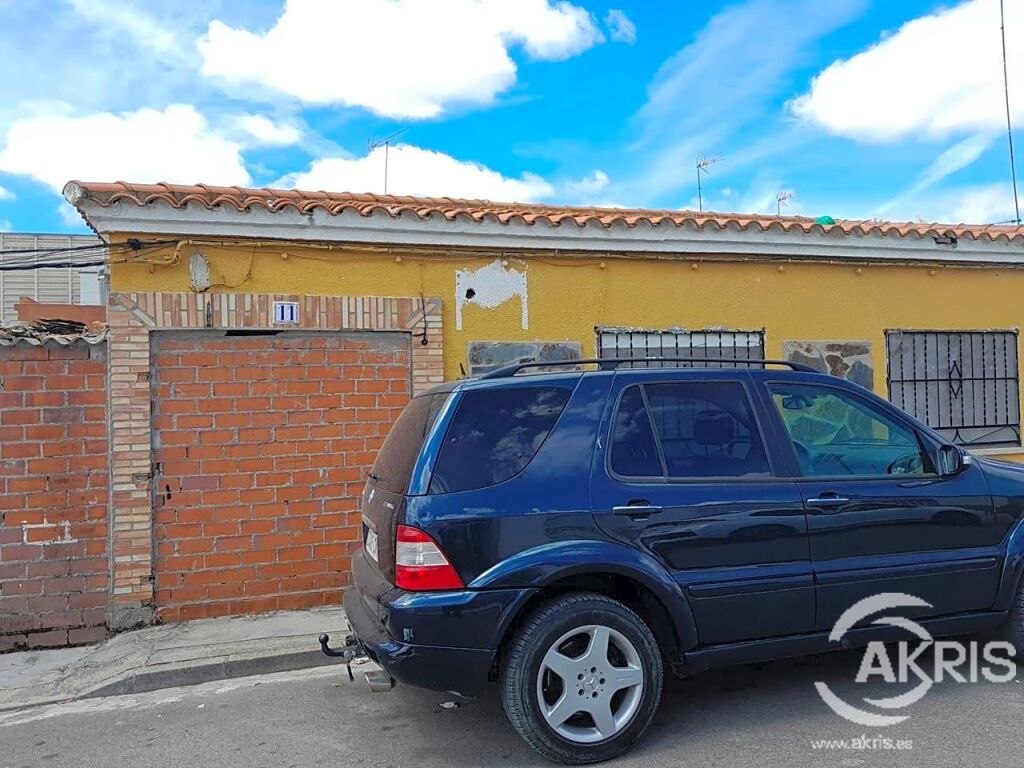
[[286, 312]]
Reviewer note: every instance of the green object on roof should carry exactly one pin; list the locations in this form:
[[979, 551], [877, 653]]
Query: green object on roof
[[825, 221]]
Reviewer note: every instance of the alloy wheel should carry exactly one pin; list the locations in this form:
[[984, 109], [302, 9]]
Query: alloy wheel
[[590, 684]]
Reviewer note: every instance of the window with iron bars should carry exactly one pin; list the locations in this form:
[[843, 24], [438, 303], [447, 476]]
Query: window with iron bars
[[963, 384], [729, 346]]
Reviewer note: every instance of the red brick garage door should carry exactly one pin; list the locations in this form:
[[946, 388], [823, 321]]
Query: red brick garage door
[[261, 446]]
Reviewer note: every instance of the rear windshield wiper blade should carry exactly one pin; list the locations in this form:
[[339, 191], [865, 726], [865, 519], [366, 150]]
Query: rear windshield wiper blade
[[372, 476]]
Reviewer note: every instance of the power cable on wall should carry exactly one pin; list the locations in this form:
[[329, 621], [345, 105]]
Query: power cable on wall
[[60, 258], [50, 265]]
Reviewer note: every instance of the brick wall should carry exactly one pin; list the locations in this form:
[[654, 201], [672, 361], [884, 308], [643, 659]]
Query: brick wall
[[136, 317], [260, 448], [53, 494]]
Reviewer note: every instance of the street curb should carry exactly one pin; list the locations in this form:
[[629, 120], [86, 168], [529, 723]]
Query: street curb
[[171, 655], [227, 669], [174, 676]]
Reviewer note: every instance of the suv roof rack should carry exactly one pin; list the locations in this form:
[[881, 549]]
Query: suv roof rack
[[615, 362]]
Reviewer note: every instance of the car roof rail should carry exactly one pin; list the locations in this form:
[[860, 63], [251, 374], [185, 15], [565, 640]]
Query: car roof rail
[[614, 362]]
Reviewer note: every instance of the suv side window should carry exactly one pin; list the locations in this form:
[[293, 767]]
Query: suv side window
[[705, 429], [494, 434], [835, 433], [634, 452]]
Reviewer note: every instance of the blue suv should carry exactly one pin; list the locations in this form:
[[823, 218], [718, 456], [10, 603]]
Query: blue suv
[[571, 536]]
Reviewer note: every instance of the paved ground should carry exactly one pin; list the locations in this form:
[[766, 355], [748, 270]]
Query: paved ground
[[168, 655], [746, 717]]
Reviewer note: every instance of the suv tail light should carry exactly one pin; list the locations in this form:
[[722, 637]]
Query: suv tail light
[[420, 565]]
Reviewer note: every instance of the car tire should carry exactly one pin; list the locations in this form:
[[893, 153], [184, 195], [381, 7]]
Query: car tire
[[1013, 629], [615, 701]]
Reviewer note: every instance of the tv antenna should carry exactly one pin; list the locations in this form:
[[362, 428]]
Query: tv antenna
[[782, 198], [1009, 125], [703, 163], [386, 143]]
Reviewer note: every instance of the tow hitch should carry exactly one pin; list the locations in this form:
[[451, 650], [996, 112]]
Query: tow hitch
[[378, 680]]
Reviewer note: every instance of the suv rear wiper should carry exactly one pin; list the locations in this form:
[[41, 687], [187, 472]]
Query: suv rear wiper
[[372, 476]]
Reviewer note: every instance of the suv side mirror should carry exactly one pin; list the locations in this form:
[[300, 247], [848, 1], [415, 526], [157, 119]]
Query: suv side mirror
[[952, 460]]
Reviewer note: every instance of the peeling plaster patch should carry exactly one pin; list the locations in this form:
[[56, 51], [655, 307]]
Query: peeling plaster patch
[[199, 272], [60, 533], [490, 286]]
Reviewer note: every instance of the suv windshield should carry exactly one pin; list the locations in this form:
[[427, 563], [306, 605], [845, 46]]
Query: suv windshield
[[393, 467]]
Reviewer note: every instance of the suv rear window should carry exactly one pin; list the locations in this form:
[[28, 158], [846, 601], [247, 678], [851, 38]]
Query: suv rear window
[[494, 434], [705, 430], [392, 469]]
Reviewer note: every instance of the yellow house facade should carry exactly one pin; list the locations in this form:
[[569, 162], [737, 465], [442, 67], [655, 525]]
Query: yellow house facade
[[927, 315]]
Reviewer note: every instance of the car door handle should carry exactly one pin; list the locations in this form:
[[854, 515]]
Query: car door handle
[[827, 500], [637, 509]]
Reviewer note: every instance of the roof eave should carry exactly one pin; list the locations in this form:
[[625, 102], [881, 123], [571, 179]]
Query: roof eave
[[380, 228]]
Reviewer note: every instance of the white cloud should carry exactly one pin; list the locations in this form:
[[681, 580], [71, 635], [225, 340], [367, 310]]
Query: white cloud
[[101, 55], [6, 194], [262, 131], [5, 226], [416, 171], [128, 21], [400, 58], [175, 145], [953, 159], [587, 186], [981, 203], [620, 28], [989, 204], [69, 215], [937, 75], [752, 47]]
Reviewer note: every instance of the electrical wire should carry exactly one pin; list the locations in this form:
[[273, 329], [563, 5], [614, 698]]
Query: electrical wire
[[60, 258], [51, 265], [66, 249]]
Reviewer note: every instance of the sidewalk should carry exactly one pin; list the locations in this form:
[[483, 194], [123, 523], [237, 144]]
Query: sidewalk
[[170, 655]]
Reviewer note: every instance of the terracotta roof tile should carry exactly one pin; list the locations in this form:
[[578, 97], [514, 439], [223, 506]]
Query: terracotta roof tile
[[179, 196]]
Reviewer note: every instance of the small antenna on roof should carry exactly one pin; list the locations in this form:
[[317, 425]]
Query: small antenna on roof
[[703, 163], [1009, 125], [386, 143], [782, 198]]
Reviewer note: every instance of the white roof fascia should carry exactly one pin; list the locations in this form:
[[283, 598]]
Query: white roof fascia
[[195, 220]]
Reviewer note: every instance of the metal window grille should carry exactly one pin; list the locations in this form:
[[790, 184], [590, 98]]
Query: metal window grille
[[964, 384], [729, 346]]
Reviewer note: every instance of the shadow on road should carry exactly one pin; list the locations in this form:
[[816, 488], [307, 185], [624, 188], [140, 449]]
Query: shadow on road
[[756, 715]]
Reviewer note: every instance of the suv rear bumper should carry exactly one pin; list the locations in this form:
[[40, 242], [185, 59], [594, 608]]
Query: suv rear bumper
[[467, 616]]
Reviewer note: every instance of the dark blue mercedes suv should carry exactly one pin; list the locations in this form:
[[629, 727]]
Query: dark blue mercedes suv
[[573, 535]]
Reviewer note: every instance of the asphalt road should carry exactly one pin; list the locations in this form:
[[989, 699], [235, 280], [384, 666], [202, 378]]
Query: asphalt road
[[752, 716]]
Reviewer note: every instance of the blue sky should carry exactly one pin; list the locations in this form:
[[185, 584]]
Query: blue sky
[[864, 108]]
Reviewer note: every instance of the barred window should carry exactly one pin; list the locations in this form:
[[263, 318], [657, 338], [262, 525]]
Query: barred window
[[724, 345], [964, 384]]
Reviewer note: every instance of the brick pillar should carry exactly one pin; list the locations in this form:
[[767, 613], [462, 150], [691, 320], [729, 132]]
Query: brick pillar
[[131, 518]]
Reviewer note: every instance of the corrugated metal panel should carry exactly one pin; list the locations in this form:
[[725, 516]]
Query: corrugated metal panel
[[59, 286]]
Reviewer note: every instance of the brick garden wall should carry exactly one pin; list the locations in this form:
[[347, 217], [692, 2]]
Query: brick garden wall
[[261, 445], [53, 494], [200, 461]]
